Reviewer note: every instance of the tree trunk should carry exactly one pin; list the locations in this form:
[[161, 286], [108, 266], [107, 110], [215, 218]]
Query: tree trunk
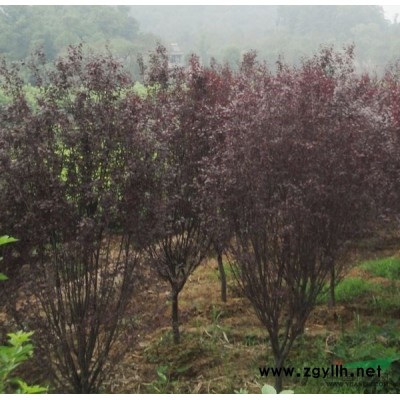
[[278, 384], [280, 356], [332, 299], [222, 276], [278, 378], [175, 317]]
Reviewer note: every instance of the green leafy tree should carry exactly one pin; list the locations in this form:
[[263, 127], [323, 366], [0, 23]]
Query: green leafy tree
[[298, 183], [77, 214]]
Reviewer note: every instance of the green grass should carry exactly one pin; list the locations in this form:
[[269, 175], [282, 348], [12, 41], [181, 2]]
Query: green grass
[[349, 289], [386, 300], [352, 288], [364, 342], [385, 267]]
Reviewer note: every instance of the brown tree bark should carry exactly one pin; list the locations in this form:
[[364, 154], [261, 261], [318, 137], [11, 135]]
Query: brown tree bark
[[175, 317], [222, 276]]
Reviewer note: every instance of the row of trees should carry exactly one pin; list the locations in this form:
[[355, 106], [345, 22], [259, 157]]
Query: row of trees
[[279, 170]]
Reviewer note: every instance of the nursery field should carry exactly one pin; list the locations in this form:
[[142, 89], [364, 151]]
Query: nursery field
[[223, 345]]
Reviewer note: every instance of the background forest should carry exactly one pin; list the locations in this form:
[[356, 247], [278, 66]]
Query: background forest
[[222, 32]]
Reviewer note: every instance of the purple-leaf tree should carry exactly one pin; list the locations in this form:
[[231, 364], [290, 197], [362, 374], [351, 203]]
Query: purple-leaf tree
[[74, 164], [179, 121], [298, 170]]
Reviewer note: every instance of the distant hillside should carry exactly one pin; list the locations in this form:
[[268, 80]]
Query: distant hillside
[[225, 32], [210, 31]]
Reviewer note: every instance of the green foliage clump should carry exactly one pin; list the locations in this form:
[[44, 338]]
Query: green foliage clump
[[4, 240], [30, 92], [18, 350], [4, 99]]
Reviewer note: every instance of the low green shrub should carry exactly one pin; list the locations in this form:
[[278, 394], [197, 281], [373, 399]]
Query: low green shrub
[[4, 240], [18, 350]]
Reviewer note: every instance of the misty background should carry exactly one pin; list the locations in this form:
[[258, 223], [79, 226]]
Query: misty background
[[224, 33]]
